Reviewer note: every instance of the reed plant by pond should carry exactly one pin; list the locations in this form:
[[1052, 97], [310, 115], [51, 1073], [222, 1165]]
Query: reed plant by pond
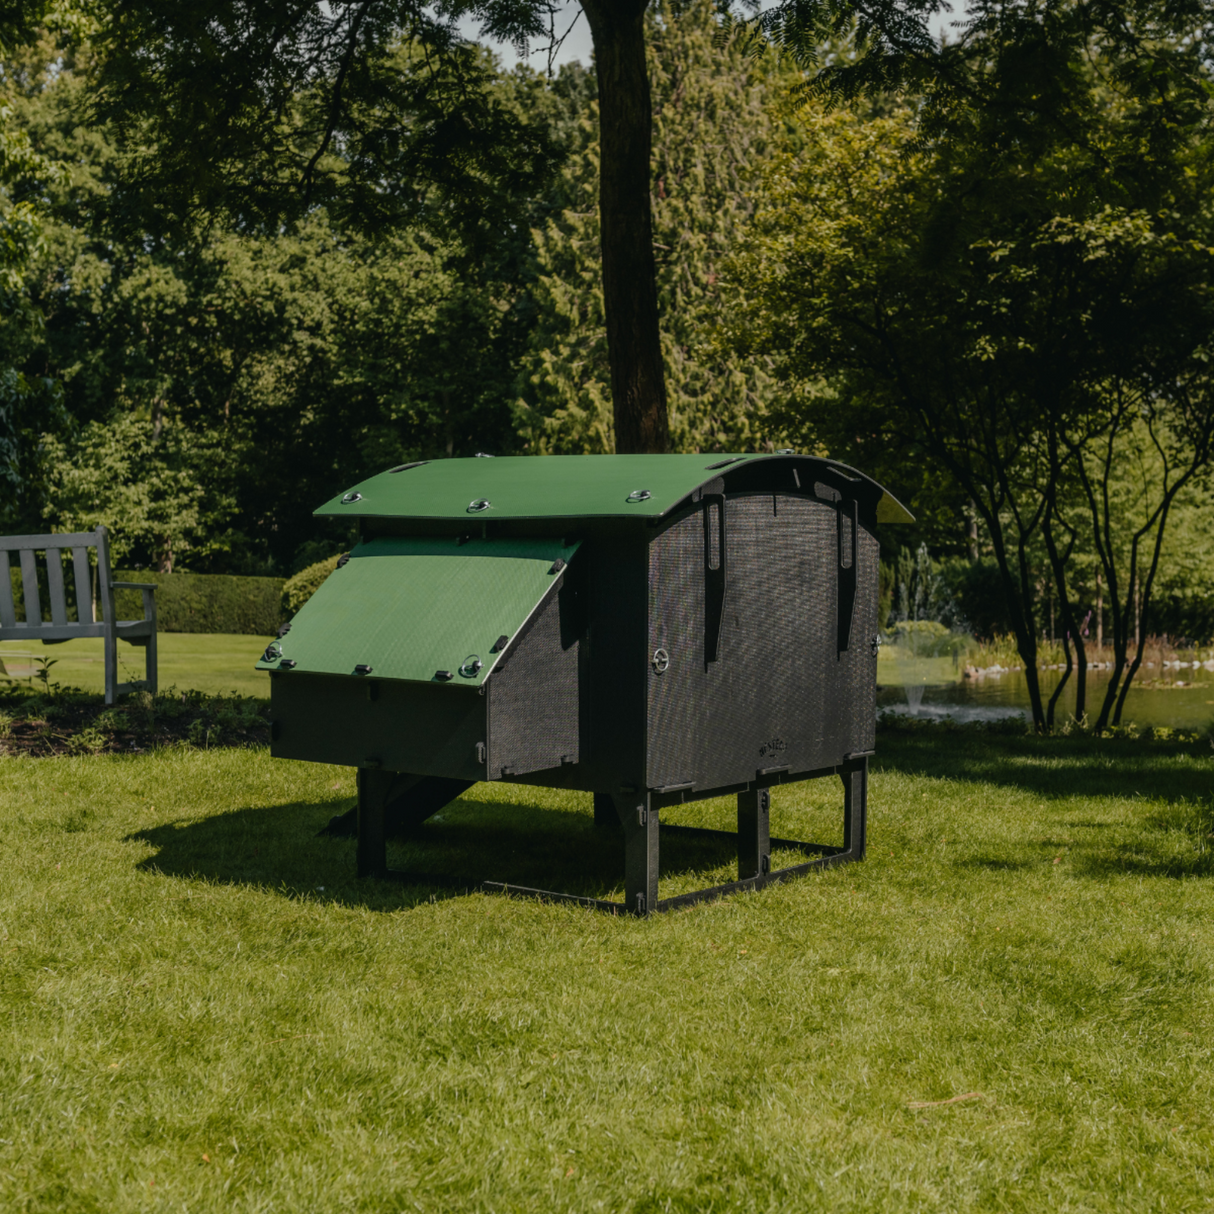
[[1006, 1007]]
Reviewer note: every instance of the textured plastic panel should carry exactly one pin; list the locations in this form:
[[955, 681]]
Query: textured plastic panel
[[415, 727], [410, 607], [533, 701], [780, 693], [579, 486]]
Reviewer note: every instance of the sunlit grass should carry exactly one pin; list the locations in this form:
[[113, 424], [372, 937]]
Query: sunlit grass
[[217, 664], [204, 1010]]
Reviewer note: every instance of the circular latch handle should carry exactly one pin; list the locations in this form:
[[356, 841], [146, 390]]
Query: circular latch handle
[[479, 504], [661, 661]]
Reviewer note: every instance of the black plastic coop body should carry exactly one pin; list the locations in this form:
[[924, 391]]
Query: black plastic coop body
[[653, 629]]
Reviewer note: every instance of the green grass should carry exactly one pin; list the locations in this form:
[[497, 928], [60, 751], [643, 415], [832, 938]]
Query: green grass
[[202, 1010], [217, 664]]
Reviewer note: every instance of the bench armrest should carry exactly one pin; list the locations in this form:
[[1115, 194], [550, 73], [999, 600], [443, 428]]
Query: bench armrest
[[133, 585]]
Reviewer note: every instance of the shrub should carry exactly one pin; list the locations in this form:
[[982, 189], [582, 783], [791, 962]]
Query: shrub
[[199, 602], [300, 588], [930, 639]]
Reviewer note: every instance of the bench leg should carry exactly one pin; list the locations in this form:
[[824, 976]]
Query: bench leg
[[110, 643], [855, 808], [149, 664], [754, 833], [640, 821]]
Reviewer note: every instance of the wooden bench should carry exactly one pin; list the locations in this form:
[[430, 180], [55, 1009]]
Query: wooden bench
[[60, 628]]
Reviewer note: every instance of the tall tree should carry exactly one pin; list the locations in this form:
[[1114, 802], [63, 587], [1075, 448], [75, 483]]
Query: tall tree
[[996, 299], [713, 130]]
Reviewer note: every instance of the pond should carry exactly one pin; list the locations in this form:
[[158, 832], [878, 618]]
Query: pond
[[1179, 698]]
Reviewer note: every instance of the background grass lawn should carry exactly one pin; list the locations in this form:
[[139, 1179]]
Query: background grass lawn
[[202, 1009], [217, 664]]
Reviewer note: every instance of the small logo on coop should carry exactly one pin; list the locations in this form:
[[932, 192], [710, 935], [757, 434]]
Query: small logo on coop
[[774, 747]]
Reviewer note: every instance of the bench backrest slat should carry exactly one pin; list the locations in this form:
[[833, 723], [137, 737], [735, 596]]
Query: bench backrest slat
[[8, 617], [29, 589], [27, 549], [54, 585], [84, 589], [104, 590], [65, 539]]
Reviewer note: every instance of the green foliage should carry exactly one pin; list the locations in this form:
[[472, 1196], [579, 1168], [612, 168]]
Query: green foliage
[[47, 720], [191, 602], [1183, 603], [219, 387], [976, 587], [919, 592], [299, 589], [142, 480], [713, 128], [29, 403], [381, 113], [1024, 321]]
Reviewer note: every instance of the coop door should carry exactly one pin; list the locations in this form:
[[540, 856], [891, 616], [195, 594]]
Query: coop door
[[760, 700]]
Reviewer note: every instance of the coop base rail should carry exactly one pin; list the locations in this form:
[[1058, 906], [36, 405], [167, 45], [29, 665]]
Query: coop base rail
[[643, 830]]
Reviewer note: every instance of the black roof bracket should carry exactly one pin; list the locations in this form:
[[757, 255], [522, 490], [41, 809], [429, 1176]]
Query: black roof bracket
[[849, 526], [714, 573]]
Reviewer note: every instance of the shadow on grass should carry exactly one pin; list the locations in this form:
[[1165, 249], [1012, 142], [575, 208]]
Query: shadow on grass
[[1175, 844], [1051, 767], [276, 849], [995, 864]]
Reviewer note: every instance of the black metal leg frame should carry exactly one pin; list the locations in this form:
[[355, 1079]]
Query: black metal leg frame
[[640, 816]]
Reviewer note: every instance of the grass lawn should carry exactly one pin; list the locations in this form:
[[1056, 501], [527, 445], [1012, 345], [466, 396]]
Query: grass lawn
[[1007, 1007], [217, 664]]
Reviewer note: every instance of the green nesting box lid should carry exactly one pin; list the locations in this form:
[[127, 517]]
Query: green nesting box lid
[[408, 608], [557, 486]]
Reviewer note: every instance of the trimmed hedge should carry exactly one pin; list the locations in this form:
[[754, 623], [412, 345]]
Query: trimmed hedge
[[200, 602], [300, 588]]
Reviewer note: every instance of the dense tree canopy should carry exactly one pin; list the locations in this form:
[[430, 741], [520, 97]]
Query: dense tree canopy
[[990, 293], [1031, 314]]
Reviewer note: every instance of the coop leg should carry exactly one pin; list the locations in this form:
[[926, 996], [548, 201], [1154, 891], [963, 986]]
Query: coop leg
[[373, 787], [604, 812], [754, 833], [855, 807], [640, 821]]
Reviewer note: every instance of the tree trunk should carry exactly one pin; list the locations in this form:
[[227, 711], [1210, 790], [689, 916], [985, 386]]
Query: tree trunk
[[1099, 617], [1017, 588], [630, 294], [1070, 625]]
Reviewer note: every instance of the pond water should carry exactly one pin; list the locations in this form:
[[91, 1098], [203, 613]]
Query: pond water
[[1156, 701]]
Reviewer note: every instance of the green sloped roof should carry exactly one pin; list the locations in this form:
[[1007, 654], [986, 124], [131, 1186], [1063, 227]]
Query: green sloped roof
[[410, 607], [549, 486], [557, 486]]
